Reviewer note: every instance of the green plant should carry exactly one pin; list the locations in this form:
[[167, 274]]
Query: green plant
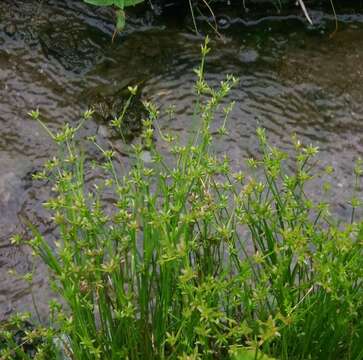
[[120, 6], [21, 340], [192, 260]]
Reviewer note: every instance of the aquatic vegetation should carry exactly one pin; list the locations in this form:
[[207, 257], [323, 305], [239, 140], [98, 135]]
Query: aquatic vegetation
[[193, 260]]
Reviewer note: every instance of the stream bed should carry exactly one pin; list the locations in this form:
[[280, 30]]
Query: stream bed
[[58, 56]]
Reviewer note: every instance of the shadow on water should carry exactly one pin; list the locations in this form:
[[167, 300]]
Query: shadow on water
[[58, 55]]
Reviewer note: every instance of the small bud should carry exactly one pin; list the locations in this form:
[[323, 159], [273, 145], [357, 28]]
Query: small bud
[[133, 90], [34, 114]]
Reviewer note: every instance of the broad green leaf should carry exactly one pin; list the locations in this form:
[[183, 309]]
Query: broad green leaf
[[121, 4], [132, 2], [100, 2]]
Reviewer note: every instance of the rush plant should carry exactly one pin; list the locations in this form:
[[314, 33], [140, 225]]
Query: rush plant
[[193, 260]]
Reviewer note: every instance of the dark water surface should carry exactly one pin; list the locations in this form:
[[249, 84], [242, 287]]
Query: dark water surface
[[58, 55]]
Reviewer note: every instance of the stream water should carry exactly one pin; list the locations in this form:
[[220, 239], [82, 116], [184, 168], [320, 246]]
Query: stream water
[[58, 56]]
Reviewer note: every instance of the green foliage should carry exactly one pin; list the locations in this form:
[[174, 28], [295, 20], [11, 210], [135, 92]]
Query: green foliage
[[20, 340], [192, 260], [247, 354], [117, 3], [120, 5]]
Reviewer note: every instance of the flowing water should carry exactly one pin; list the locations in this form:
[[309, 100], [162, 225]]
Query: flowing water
[[58, 56]]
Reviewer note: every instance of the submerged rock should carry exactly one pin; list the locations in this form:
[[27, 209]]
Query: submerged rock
[[108, 107], [67, 46], [248, 55], [10, 29]]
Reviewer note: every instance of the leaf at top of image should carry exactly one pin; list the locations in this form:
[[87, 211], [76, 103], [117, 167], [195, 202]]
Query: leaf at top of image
[[100, 2], [121, 4]]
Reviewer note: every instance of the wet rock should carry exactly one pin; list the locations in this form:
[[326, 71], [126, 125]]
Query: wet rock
[[249, 55], [58, 44], [70, 43], [10, 29], [107, 108], [223, 22]]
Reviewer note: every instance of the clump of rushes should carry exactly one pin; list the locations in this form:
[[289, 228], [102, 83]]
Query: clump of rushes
[[170, 272]]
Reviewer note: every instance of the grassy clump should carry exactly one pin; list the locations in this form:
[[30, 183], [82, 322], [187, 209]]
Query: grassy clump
[[194, 261]]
